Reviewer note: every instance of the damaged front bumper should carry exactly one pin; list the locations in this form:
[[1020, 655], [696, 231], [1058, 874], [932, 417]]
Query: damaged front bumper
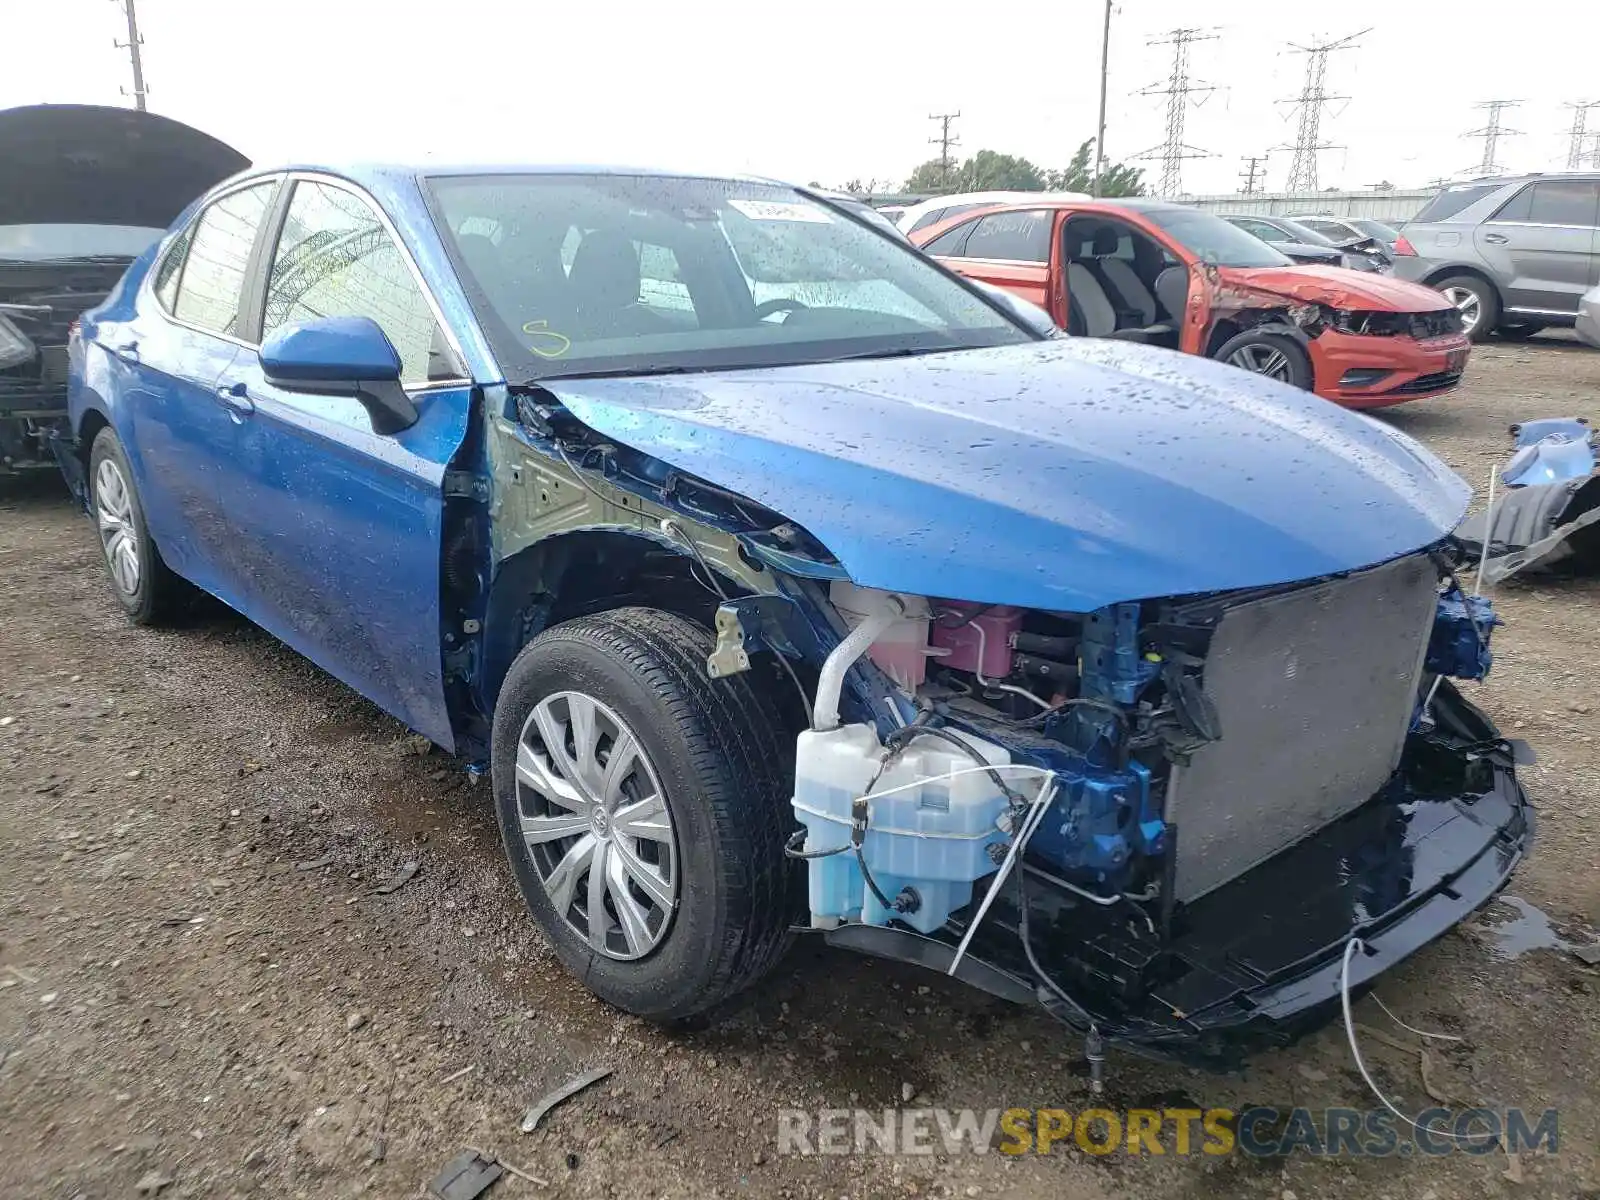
[[1256, 963]]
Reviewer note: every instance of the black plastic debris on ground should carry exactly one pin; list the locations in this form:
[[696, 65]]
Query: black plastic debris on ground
[[1551, 527], [465, 1177]]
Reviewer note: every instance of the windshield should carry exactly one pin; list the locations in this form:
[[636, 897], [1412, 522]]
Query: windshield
[[623, 274], [1377, 229], [42, 242], [1211, 239], [1306, 235]]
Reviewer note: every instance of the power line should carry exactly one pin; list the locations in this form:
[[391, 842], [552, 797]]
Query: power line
[[1313, 98], [1579, 133], [1174, 149], [944, 141], [1491, 133], [132, 47], [1254, 168]]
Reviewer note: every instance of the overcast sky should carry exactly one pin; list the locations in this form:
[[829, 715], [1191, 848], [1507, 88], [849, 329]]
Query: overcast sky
[[824, 90]]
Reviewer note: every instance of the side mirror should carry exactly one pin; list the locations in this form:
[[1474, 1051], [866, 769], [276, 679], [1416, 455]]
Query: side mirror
[[341, 356]]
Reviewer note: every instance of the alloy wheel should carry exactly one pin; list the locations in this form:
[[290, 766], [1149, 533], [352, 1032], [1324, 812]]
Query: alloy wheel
[[113, 507], [596, 823], [1468, 304], [1263, 360]]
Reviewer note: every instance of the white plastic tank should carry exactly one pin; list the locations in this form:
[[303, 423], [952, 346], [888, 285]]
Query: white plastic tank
[[932, 838]]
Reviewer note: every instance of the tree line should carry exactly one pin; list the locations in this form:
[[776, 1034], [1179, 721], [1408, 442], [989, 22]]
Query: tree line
[[991, 171]]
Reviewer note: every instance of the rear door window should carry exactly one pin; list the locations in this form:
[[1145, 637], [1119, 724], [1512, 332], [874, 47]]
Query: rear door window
[[1012, 237], [210, 292], [1518, 208], [1267, 233]]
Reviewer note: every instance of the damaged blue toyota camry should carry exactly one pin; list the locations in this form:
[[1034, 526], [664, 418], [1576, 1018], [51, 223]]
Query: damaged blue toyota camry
[[786, 583]]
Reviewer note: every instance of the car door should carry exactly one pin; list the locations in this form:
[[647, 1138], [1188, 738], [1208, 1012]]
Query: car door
[[181, 432], [1540, 245], [1009, 249], [345, 525]]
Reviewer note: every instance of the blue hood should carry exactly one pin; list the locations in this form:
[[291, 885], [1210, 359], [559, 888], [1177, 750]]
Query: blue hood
[[1067, 474]]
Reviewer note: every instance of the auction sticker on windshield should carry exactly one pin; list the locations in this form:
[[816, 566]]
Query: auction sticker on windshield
[[780, 210]]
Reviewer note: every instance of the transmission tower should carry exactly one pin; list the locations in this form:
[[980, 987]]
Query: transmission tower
[[1491, 133], [944, 141], [1313, 98], [132, 47], [1177, 90], [1255, 168], [1579, 134]]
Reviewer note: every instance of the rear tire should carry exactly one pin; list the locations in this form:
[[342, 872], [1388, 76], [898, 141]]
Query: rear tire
[[694, 908], [1275, 355], [1477, 302], [143, 584]]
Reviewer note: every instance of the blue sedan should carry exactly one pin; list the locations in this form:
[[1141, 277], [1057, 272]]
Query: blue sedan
[[780, 578]]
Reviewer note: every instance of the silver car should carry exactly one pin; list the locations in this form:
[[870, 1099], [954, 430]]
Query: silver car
[[1513, 254], [1588, 325]]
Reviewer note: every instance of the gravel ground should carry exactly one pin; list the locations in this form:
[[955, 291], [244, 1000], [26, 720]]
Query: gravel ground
[[201, 993]]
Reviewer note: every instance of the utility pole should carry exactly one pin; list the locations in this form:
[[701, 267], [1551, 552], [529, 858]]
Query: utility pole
[[1178, 89], [1254, 168], [944, 141], [1579, 133], [132, 47], [1313, 98], [1105, 71], [1491, 133]]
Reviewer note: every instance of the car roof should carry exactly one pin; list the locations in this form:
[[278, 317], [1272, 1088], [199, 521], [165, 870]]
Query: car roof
[[390, 178]]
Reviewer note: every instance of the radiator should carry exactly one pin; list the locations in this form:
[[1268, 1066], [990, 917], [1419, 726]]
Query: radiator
[[1315, 690]]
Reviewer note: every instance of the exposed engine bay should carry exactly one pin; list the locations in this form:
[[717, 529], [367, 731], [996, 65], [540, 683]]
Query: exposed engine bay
[[1108, 775]]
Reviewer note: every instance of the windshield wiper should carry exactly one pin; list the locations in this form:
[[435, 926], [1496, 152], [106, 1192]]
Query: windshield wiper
[[604, 373]]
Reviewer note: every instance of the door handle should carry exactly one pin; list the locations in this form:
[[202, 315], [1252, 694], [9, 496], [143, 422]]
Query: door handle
[[1496, 239], [236, 399], [128, 352]]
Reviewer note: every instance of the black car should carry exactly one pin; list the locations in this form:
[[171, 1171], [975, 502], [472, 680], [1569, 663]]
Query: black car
[[1305, 245], [84, 191]]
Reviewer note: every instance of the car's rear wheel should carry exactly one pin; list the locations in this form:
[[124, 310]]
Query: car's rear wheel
[[1475, 299], [1275, 355], [143, 584], [643, 807]]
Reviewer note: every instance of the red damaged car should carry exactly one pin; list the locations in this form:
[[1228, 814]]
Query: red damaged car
[[1151, 271]]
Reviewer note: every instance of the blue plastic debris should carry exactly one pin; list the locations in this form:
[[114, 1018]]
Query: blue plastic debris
[[1549, 450], [1459, 643]]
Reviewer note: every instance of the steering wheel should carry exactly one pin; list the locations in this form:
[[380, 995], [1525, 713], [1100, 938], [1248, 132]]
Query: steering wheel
[[780, 304]]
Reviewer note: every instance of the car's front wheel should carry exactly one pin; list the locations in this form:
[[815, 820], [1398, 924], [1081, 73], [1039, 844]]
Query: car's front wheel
[[143, 584], [643, 807], [1477, 302], [1275, 355]]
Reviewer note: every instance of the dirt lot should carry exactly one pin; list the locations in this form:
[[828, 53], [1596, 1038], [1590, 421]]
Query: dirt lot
[[183, 998]]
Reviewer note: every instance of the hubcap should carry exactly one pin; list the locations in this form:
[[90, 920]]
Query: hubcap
[[1263, 360], [596, 825], [113, 510], [1467, 304]]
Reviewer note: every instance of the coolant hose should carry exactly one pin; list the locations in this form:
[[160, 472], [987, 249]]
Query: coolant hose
[[830, 682]]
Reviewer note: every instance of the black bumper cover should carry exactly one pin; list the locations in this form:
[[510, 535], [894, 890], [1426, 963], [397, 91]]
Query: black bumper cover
[[1256, 963]]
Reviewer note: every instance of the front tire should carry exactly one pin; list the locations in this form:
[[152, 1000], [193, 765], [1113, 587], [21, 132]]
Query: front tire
[[1275, 355], [143, 584], [1477, 302], [643, 807]]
